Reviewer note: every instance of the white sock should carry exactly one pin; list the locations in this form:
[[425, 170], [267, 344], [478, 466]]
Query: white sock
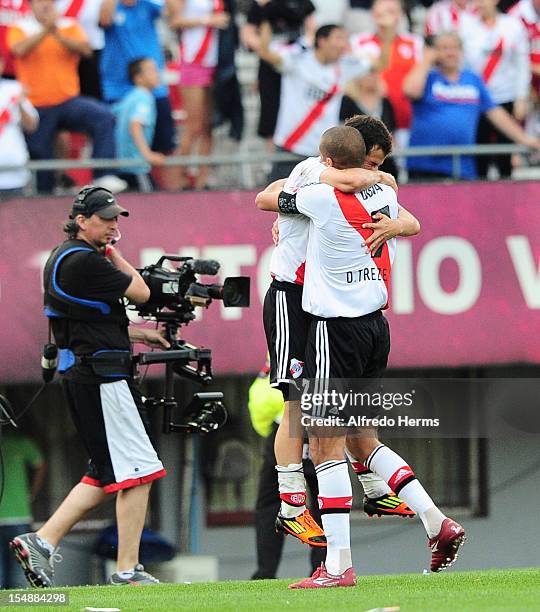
[[45, 544], [127, 573], [335, 501], [292, 489], [373, 485], [432, 519], [401, 479]]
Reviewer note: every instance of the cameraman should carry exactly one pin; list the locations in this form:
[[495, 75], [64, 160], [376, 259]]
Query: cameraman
[[85, 281]]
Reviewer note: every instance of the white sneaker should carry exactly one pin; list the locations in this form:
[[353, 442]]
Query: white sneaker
[[111, 182]]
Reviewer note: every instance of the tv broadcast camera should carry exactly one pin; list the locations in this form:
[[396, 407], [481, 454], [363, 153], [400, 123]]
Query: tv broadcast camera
[[174, 295]]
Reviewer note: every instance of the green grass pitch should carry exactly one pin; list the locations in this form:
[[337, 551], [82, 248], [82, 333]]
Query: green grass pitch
[[512, 590]]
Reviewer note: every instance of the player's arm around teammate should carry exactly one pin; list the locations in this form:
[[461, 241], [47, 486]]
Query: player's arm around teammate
[[352, 180]]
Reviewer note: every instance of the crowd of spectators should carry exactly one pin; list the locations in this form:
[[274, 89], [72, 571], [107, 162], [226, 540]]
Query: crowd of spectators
[[450, 72]]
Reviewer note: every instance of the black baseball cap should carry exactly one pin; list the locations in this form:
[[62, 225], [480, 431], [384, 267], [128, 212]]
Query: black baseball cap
[[99, 201]]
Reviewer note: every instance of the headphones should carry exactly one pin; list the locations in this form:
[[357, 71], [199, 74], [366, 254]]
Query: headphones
[[79, 206]]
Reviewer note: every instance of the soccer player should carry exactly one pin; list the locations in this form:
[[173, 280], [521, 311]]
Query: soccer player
[[444, 539], [286, 325], [348, 336]]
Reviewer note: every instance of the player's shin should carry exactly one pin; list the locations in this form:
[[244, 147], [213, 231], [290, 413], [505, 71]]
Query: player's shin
[[292, 489], [335, 501], [288, 450]]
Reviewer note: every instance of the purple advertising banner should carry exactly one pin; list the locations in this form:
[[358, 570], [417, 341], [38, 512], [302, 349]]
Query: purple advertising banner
[[465, 291]]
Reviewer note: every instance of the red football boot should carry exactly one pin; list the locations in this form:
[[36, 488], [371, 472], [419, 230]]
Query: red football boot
[[445, 545], [321, 579]]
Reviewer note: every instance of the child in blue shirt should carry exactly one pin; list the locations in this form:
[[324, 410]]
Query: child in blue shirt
[[135, 125]]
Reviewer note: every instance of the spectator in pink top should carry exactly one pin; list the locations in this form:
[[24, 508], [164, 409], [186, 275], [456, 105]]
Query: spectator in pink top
[[198, 22]]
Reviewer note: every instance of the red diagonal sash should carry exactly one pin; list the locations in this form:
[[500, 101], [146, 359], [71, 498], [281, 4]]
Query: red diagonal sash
[[207, 39], [74, 8], [493, 61], [6, 112], [312, 116], [454, 17], [356, 215]]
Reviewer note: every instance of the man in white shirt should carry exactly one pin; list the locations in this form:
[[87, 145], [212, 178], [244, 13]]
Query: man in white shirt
[[311, 90], [496, 47], [528, 11], [17, 115]]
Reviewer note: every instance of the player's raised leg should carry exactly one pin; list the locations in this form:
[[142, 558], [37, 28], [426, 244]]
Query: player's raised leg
[[445, 536]]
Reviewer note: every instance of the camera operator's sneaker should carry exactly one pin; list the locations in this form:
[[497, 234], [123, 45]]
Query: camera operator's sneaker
[[445, 545], [139, 578], [387, 505], [321, 579], [304, 527], [36, 560]]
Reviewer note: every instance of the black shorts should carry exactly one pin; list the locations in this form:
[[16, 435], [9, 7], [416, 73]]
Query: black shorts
[[347, 347], [286, 327], [165, 133], [112, 422]]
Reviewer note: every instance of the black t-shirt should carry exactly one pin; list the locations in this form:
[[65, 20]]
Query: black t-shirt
[[91, 276], [286, 16]]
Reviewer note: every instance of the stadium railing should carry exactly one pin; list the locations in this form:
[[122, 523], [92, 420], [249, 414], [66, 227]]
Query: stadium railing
[[242, 159]]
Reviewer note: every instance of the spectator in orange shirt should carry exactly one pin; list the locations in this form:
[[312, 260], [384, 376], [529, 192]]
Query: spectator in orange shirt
[[397, 52], [47, 50]]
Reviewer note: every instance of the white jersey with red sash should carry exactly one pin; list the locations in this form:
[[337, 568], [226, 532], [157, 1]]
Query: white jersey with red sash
[[445, 16], [86, 12], [499, 54], [342, 280], [13, 149], [524, 10], [199, 45], [311, 95], [289, 257]]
